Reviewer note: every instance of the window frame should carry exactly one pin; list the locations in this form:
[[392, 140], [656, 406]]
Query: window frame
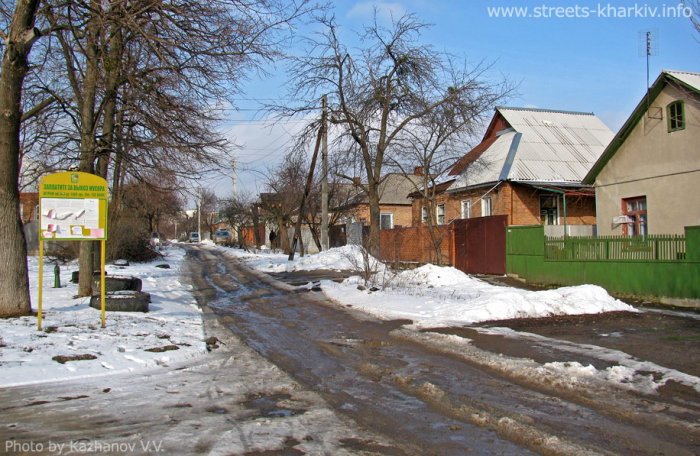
[[556, 220], [484, 207], [391, 220], [678, 119], [468, 205], [424, 214], [640, 224], [440, 217]]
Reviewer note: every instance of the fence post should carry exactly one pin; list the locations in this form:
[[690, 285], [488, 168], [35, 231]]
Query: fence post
[[692, 243]]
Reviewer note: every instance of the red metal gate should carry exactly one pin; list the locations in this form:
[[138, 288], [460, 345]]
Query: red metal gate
[[480, 245]]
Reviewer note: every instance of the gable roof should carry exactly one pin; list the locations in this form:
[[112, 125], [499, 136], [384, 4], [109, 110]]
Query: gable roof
[[683, 79], [536, 145], [393, 190]]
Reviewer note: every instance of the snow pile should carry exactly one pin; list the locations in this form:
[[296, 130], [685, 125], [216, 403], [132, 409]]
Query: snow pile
[[347, 258], [435, 296], [71, 328]]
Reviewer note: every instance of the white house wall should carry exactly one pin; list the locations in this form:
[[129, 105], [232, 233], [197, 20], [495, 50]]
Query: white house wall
[[663, 166]]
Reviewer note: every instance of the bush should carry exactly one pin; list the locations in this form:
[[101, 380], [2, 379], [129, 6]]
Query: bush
[[128, 240], [61, 251]]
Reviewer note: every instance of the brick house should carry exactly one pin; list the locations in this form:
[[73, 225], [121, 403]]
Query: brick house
[[29, 206], [646, 181], [394, 204], [529, 167]]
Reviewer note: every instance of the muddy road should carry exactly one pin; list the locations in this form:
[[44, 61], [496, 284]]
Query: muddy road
[[437, 393]]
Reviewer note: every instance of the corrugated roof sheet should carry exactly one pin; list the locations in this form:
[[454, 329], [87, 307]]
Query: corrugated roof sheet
[[554, 146], [393, 189], [686, 77]]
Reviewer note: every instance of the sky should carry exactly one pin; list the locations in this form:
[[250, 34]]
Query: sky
[[579, 56]]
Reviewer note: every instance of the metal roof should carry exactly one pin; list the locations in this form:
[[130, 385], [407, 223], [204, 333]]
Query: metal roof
[[393, 190], [686, 77], [543, 146]]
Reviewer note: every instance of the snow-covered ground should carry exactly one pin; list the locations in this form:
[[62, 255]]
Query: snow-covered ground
[[72, 327], [434, 296]]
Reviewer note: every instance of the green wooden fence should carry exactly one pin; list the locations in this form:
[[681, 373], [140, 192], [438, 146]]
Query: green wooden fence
[[665, 268], [616, 248]]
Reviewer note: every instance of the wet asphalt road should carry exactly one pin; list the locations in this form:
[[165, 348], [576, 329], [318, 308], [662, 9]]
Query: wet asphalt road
[[433, 397]]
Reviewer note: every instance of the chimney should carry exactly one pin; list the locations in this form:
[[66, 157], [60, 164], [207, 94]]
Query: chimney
[[356, 181], [418, 171]]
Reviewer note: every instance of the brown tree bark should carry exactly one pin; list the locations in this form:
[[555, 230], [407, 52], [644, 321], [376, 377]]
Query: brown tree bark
[[14, 286], [88, 144]]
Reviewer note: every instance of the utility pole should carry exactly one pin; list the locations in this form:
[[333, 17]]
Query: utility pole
[[199, 215], [307, 190], [324, 180]]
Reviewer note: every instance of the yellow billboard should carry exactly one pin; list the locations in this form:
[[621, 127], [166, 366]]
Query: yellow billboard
[[73, 206]]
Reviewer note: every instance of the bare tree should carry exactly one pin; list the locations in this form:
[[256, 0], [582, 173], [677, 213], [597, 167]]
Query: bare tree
[[144, 77], [208, 206], [151, 203], [286, 187], [380, 90], [435, 142], [18, 38], [237, 210], [694, 5]]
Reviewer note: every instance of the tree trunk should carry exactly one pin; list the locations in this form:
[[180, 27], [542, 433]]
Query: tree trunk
[[283, 236], [374, 219], [88, 120], [256, 229], [14, 286]]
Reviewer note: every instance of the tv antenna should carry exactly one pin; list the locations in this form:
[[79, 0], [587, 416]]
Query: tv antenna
[[649, 38]]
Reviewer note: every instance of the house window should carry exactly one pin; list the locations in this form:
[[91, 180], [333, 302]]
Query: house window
[[676, 119], [486, 206], [466, 209], [549, 210], [424, 214], [636, 210], [386, 221], [440, 214]]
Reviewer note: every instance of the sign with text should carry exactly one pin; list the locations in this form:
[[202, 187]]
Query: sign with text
[[73, 206]]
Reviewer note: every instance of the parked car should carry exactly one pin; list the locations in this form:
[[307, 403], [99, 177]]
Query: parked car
[[194, 236], [222, 237]]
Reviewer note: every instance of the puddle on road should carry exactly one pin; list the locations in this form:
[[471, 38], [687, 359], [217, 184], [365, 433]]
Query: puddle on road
[[217, 410], [268, 406]]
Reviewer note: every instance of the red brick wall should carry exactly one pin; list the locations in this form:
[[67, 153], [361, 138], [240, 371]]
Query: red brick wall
[[519, 202], [402, 213], [414, 244], [28, 202]]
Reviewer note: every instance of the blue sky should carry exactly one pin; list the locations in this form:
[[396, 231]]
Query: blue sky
[[592, 64]]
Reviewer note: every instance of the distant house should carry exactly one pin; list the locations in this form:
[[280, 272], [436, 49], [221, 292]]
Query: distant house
[[394, 203], [647, 179], [29, 207], [528, 166]]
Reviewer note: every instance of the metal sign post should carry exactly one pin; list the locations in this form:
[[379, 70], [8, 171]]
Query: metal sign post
[[72, 207]]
